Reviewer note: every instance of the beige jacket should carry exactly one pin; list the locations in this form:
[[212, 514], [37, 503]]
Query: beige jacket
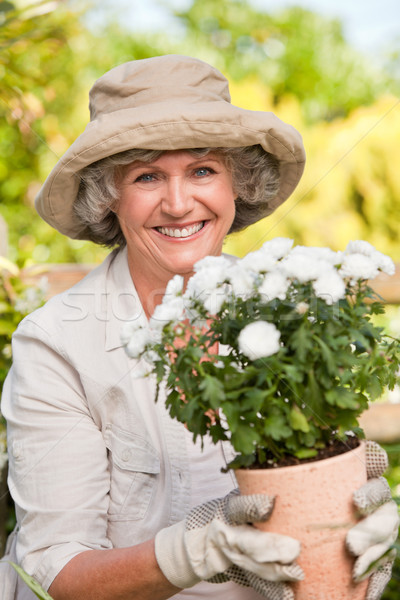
[[94, 461]]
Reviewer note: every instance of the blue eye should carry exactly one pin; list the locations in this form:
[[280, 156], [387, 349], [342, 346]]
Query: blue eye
[[145, 177], [203, 171]]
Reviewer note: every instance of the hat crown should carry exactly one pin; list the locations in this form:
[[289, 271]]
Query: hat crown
[[165, 103], [169, 78]]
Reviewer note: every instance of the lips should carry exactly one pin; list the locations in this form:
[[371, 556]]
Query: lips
[[181, 232]]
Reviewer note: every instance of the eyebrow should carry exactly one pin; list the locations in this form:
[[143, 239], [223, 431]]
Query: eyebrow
[[151, 165]]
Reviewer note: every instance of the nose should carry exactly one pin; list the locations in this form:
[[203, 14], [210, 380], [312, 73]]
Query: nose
[[177, 199]]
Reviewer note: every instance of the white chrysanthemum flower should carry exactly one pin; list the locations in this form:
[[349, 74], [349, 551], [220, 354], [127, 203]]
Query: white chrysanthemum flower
[[138, 342], [360, 247], [214, 300], [210, 273], [278, 247], [274, 285], [382, 261], [358, 266], [129, 329], [198, 284], [168, 312], [241, 280], [303, 267], [330, 286], [174, 287], [259, 339], [212, 262], [386, 265], [318, 253], [258, 261]]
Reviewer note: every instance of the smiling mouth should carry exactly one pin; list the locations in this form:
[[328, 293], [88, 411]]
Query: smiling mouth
[[184, 232]]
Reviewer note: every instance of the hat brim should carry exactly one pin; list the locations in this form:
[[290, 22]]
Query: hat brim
[[173, 127]]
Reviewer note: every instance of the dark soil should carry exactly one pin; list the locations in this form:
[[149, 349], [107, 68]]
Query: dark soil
[[334, 448]]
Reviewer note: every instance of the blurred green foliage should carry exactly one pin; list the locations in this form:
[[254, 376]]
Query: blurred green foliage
[[293, 52], [294, 62], [20, 293], [19, 296], [39, 111]]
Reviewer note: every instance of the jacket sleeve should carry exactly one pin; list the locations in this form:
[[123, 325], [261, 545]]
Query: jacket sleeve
[[58, 468]]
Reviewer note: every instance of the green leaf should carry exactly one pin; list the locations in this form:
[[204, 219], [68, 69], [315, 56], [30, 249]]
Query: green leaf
[[31, 583], [253, 400], [293, 373], [306, 453], [313, 396], [213, 390], [275, 426], [159, 370], [302, 342], [374, 387], [232, 413], [343, 398], [244, 439], [298, 421], [328, 356]]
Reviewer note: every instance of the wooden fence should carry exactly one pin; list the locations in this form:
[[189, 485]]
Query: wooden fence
[[62, 276]]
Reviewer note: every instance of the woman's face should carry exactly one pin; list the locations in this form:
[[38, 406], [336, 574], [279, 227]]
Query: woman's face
[[174, 211]]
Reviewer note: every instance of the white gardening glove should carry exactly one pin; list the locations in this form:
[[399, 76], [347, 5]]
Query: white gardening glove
[[216, 543], [371, 539]]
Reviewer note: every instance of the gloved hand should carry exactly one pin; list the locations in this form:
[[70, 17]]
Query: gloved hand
[[371, 539], [216, 543]]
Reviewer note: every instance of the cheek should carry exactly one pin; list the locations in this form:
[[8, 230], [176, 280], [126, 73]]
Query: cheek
[[127, 219], [132, 210]]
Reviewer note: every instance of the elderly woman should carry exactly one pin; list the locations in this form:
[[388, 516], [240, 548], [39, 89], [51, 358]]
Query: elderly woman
[[113, 498]]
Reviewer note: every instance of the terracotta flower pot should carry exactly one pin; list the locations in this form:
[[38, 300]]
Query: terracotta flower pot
[[313, 503]]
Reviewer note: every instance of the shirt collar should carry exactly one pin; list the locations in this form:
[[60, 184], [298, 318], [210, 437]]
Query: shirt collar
[[121, 301]]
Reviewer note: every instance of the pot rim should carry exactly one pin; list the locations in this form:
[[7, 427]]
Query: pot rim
[[311, 464]]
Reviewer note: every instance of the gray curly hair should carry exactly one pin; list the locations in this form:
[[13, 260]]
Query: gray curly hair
[[255, 179]]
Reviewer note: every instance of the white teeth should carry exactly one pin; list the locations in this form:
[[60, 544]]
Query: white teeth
[[180, 233]]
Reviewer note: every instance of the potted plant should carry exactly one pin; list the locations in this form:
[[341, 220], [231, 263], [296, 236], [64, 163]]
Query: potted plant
[[277, 353]]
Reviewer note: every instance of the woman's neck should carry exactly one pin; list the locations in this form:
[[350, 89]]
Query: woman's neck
[[150, 286]]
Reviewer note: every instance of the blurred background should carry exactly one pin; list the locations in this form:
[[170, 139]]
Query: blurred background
[[331, 68]]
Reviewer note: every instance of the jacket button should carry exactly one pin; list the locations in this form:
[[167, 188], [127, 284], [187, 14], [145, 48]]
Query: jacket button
[[126, 455], [17, 450]]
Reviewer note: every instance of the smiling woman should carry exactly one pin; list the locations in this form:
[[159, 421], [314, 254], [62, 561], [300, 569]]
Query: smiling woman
[[255, 179], [174, 207], [114, 500], [174, 194], [102, 477]]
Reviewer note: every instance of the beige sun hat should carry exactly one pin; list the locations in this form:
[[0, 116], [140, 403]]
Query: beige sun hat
[[167, 102]]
